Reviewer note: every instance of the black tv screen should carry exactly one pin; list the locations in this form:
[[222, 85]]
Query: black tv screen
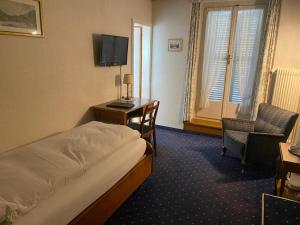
[[113, 50]]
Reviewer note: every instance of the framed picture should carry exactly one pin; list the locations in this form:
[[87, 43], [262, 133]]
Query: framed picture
[[21, 17], [175, 45]]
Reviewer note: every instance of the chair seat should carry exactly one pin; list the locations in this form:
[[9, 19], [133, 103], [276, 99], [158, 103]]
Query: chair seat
[[135, 113], [238, 136], [137, 126], [236, 140]]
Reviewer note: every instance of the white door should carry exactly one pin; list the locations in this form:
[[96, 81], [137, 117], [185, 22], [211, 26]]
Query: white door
[[231, 43]]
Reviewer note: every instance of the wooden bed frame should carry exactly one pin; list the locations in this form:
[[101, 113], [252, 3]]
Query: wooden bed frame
[[100, 210]]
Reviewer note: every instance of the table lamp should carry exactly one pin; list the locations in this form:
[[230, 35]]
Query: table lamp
[[128, 79]]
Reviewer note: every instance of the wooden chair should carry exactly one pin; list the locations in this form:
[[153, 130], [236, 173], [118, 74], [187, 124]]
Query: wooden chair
[[147, 125]]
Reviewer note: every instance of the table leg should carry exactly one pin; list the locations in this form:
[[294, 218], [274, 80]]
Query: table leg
[[275, 185], [282, 184], [278, 174]]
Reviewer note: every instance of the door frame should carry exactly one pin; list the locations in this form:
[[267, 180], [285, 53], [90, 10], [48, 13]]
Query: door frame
[[141, 26]]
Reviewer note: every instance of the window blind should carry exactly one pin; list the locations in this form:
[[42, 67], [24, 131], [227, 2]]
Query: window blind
[[216, 44], [246, 47]]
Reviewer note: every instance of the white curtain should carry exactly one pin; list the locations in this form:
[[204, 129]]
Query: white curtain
[[214, 58], [267, 54], [245, 57], [192, 61]]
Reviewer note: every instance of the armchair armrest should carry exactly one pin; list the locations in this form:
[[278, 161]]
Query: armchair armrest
[[237, 124], [266, 135], [263, 146]]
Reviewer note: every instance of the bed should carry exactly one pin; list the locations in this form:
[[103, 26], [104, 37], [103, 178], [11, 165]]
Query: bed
[[80, 176]]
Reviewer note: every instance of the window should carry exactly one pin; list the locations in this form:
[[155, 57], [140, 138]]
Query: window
[[246, 45]]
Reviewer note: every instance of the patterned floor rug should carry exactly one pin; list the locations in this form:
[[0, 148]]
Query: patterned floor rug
[[192, 184]]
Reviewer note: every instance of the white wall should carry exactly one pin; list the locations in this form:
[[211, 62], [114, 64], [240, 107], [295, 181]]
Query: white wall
[[171, 19], [48, 84], [288, 46]]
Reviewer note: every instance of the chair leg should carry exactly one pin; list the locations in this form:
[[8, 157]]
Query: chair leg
[[223, 152], [243, 164], [154, 141]]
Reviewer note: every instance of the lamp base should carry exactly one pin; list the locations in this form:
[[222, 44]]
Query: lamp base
[[127, 99]]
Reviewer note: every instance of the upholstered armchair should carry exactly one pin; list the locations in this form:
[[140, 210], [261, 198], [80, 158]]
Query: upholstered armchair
[[258, 141]]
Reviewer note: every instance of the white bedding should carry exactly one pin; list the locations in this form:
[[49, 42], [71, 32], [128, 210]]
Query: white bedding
[[70, 170], [72, 199]]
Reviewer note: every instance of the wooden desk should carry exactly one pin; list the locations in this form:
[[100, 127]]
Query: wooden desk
[[118, 115], [288, 163]]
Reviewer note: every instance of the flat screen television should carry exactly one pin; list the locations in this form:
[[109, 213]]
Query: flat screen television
[[113, 50]]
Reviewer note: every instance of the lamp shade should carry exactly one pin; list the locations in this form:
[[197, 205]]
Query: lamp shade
[[128, 79]]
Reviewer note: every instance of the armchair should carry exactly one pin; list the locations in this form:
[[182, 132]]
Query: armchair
[[258, 141]]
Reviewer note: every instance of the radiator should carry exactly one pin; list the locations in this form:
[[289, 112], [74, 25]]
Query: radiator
[[284, 92]]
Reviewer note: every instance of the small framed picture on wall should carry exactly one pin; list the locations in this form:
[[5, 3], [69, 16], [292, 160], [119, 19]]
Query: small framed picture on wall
[[21, 17], [175, 44]]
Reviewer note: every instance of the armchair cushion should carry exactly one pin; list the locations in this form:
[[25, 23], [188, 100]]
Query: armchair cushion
[[263, 126], [236, 140], [238, 136]]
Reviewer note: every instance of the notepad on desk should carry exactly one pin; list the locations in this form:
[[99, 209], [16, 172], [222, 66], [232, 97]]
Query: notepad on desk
[[124, 105]]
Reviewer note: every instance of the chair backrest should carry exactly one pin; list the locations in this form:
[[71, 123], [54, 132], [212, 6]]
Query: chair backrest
[[149, 117], [272, 119]]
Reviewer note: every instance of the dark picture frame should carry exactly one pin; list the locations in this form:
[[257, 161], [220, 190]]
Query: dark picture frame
[[21, 17]]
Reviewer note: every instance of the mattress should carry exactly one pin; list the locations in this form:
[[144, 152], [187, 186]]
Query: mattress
[[68, 202], [56, 178]]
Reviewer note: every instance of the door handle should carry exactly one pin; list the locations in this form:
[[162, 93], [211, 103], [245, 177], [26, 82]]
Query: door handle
[[228, 59]]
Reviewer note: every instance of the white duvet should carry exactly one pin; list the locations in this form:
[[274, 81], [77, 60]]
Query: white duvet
[[31, 173]]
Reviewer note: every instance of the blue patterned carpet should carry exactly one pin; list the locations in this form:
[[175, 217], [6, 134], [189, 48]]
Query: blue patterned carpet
[[192, 184]]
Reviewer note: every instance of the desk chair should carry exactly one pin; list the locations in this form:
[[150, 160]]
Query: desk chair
[[147, 125]]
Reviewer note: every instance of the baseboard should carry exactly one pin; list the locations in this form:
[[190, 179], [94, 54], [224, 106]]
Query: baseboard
[[186, 131], [169, 128]]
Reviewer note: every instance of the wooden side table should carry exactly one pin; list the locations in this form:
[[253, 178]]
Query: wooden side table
[[288, 163]]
